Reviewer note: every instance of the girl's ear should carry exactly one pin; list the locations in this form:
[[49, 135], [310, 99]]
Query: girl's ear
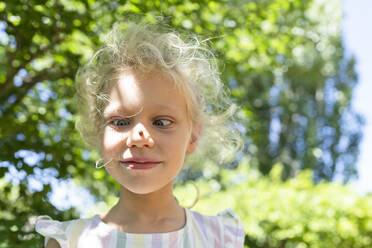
[[194, 140]]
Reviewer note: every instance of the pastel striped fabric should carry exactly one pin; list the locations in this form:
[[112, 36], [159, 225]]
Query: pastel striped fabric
[[223, 230]]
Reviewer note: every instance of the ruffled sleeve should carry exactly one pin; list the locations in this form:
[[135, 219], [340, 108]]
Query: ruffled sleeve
[[53, 229], [233, 229]]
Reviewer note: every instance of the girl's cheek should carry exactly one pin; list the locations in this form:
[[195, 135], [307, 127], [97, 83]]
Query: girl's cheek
[[111, 139]]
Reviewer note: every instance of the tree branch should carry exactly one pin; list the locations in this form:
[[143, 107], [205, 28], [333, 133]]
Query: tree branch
[[42, 76], [12, 71]]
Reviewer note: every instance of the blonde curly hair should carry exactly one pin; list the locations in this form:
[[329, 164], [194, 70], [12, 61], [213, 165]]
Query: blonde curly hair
[[193, 67]]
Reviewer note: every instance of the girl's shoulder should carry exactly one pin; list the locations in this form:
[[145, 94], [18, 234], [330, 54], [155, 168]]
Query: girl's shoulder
[[65, 232], [224, 228]]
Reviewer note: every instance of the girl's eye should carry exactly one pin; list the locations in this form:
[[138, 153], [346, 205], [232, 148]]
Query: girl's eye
[[162, 122], [120, 123]]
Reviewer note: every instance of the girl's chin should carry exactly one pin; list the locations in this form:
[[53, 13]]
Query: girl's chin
[[142, 188], [141, 191]]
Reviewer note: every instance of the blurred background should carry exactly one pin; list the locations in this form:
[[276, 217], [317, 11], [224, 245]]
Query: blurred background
[[300, 70]]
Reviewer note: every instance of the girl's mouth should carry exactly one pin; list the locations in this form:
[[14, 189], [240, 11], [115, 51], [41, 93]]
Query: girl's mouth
[[136, 165]]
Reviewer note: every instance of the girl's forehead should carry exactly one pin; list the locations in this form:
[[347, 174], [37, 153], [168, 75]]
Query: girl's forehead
[[154, 81], [155, 90]]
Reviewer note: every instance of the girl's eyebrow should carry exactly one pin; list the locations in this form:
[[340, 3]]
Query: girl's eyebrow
[[121, 110], [129, 113], [169, 107]]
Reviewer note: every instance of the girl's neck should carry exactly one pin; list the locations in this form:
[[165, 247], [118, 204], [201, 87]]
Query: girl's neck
[[147, 206], [149, 213]]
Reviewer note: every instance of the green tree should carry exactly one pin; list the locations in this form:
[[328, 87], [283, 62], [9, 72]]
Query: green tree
[[295, 213], [284, 61], [286, 65]]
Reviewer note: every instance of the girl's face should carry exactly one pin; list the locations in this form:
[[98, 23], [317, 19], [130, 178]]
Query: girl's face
[[147, 131]]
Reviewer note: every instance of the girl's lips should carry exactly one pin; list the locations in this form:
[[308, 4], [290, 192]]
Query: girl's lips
[[134, 165]]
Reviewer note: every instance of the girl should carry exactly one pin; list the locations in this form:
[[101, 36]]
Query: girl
[[146, 100]]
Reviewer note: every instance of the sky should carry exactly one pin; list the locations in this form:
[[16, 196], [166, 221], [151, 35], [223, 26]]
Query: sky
[[357, 33]]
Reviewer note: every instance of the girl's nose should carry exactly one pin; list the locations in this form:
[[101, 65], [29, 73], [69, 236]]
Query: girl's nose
[[140, 137]]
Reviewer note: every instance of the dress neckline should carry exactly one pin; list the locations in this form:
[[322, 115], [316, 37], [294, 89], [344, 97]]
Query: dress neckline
[[97, 221]]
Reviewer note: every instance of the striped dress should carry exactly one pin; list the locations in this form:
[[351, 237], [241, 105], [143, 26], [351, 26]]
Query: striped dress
[[223, 230]]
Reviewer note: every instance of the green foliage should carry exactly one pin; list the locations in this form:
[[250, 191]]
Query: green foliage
[[295, 213], [283, 60]]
